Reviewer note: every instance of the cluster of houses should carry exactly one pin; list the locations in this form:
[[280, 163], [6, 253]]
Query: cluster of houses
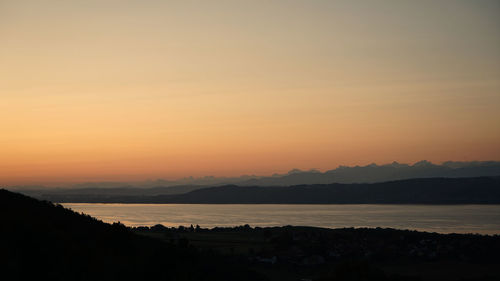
[[312, 248], [307, 246]]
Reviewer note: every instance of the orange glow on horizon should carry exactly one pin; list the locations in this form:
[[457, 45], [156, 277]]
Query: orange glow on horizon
[[168, 90]]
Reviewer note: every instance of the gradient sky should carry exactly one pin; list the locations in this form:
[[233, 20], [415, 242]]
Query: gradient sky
[[126, 90]]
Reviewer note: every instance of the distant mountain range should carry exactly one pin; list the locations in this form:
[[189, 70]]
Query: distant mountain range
[[372, 173], [378, 173], [480, 190], [343, 174]]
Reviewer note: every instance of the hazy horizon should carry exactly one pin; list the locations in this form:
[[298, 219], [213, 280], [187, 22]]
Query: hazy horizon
[[220, 179], [130, 90]]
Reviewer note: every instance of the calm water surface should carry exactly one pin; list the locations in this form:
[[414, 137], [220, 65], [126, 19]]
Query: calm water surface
[[483, 219]]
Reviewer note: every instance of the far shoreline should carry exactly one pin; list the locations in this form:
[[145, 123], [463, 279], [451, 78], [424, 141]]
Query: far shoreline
[[188, 203]]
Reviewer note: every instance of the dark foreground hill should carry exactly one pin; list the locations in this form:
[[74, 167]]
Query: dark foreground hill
[[481, 190], [42, 241]]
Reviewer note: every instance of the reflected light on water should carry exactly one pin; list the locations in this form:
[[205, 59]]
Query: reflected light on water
[[484, 219]]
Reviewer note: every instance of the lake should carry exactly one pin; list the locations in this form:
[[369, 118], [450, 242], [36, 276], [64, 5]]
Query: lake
[[484, 219]]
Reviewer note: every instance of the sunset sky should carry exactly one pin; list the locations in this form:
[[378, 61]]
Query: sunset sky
[[100, 90]]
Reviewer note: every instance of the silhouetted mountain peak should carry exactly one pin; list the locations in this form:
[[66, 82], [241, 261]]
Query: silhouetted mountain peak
[[340, 167], [294, 171], [396, 165], [423, 163]]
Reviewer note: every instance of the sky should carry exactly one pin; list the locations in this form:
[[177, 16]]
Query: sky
[[104, 90]]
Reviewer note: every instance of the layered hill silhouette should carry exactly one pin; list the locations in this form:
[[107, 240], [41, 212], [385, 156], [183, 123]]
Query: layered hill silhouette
[[479, 190], [372, 173], [379, 173]]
